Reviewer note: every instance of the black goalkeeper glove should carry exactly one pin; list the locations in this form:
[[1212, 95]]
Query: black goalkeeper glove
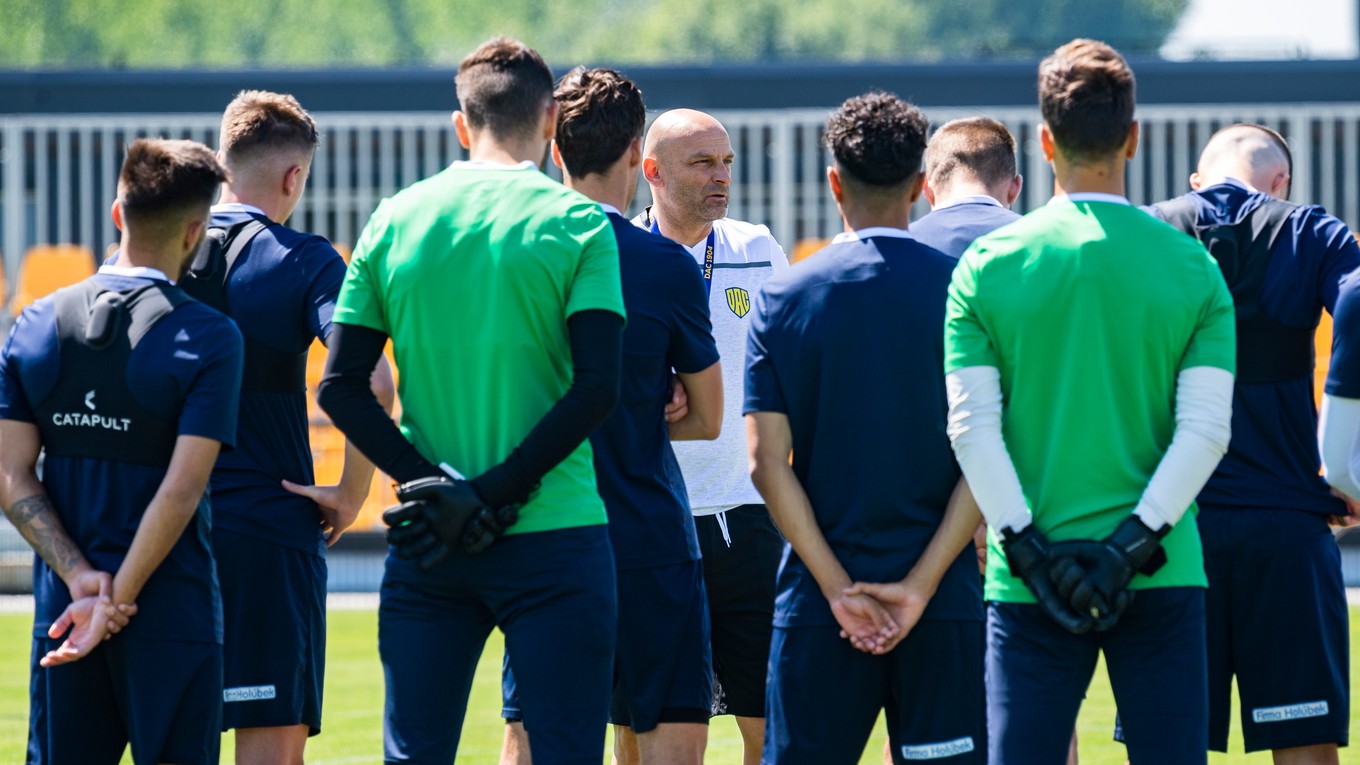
[[438, 514], [1027, 554], [1093, 577]]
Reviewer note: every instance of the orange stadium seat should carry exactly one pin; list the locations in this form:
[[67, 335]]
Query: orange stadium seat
[[48, 268], [4, 286], [328, 446], [806, 247], [1322, 350], [345, 251]]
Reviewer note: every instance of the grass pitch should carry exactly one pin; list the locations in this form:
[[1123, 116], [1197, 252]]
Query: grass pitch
[[353, 722]]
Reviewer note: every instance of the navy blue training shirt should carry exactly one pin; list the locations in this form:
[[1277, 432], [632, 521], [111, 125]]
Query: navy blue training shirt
[[953, 228], [668, 328], [1343, 376], [850, 345], [1272, 460], [187, 369], [281, 292]]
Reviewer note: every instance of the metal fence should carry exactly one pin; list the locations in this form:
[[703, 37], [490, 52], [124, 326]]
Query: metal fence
[[59, 171]]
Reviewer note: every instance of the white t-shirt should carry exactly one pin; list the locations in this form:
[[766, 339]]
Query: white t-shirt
[[717, 474]]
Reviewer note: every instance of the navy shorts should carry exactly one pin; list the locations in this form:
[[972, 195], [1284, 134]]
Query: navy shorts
[[824, 696], [274, 626], [164, 698], [553, 595], [1277, 619], [740, 579], [1037, 674], [662, 668]]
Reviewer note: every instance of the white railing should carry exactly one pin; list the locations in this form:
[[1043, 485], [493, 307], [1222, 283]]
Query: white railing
[[59, 172]]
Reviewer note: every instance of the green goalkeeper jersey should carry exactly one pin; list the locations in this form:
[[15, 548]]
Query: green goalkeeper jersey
[[1089, 308], [473, 273]]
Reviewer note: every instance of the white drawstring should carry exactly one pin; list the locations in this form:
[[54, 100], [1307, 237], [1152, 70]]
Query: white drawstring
[[722, 524]]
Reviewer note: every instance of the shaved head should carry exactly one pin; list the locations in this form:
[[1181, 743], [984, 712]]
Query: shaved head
[[678, 128], [687, 161], [1250, 153]]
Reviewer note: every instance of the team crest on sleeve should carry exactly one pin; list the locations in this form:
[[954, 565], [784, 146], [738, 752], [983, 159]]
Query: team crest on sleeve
[[739, 300]]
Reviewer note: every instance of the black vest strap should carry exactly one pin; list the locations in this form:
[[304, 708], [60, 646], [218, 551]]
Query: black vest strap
[[1267, 350], [267, 370], [91, 412]]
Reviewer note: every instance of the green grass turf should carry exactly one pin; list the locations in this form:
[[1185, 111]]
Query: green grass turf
[[353, 722]]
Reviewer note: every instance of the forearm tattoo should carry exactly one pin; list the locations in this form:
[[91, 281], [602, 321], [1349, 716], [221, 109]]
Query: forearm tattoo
[[37, 522]]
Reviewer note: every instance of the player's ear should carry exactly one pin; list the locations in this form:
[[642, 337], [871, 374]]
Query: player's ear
[[635, 154], [116, 213], [1013, 193], [193, 234], [1046, 144], [833, 179], [460, 127], [1196, 181], [293, 178], [914, 190], [557, 156], [651, 171], [1279, 186], [1131, 143], [550, 120], [928, 190]]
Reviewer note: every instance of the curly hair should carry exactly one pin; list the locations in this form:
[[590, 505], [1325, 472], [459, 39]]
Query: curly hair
[[877, 140], [600, 112], [1086, 96]]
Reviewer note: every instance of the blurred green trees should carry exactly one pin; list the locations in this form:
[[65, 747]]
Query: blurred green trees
[[367, 33]]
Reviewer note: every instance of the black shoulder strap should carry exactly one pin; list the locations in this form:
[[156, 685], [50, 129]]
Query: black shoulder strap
[[206, 279], [1267, 350], [1180, 212]]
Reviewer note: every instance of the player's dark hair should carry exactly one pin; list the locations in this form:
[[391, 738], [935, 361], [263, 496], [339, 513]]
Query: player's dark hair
[[503, 86], [162, 178], [257, 121], [1086, 96], [599, 113], [977, 147], [877, 140]]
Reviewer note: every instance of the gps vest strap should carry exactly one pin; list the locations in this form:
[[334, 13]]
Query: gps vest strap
[[1268, 351], [708, 255], [91, 412], [267, 369]]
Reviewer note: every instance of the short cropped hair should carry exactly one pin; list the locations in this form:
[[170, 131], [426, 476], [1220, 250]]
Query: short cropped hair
[[257, 121], [877, 140], [1086, 95], [600, 112], [979, 147], [503, 86], [162, 178]]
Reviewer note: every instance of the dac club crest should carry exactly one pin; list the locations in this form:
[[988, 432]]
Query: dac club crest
[[739, 300]]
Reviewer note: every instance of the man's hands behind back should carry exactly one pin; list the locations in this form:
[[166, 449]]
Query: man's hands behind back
[[438, 514]]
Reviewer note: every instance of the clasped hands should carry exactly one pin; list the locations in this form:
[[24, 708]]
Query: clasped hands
[[439, 514], [91, 618], [1083, 584], [876, 617]]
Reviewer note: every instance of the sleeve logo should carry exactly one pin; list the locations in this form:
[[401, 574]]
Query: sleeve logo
[[739, 300], [89, 401]]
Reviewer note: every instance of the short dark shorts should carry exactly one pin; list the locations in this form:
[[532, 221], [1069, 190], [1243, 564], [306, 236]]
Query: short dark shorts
[[274, 623], [740, 579], [1277, 620], [161, 697], [825, 696]]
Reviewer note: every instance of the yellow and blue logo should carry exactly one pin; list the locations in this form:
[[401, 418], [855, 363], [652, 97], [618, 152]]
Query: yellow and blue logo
[[739, 300]]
